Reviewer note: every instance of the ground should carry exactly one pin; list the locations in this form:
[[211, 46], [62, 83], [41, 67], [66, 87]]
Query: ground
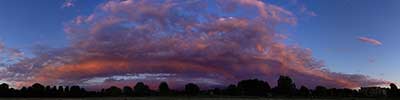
[[181, 98]]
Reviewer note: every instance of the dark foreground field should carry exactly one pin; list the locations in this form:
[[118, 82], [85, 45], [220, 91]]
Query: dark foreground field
[[183, 98]]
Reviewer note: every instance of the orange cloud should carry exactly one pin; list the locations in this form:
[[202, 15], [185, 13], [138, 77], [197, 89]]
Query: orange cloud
[[125, 38]]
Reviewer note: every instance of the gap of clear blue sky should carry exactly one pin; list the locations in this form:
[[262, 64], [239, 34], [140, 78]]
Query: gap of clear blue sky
[[332, 34]]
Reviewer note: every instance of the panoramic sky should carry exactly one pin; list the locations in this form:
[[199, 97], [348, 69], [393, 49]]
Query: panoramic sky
[[98, 43]]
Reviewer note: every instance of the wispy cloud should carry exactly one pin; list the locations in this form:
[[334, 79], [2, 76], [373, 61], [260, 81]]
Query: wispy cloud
[[370, 41], [303, 9], [68, 4], [371, 60], [9, 55]]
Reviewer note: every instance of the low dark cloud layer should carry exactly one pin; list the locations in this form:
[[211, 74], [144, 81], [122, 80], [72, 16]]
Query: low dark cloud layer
[[212, 43]]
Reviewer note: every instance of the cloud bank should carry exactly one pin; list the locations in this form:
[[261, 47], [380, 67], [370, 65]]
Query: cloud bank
[[370, 41], [211, 43]]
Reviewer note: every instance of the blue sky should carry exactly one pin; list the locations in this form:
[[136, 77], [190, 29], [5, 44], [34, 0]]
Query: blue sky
[[331, 34], [26, 22]]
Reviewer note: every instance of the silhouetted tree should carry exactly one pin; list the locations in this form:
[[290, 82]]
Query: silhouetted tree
[[103, 92], [232, 90], [192, 89], [320, 91], [60, 91], [393, 91], [304, 91], [163, 88], [286, 86], [47, 91], [254, 87], [4, 90], [333, 92], [141, 89], [66, 91], [393, 86], [76, 91], [29, 90], [345, 92], [251, 87], [127, 91], [53, 91], [23, 92], [13, 92], [113, 91], [216, 91], [37, 90]]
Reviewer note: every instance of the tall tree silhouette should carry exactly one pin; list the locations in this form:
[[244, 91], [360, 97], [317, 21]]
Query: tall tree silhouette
[[163, 88], [285, 86], [76, 91], [60, 91], [127, 91], [23, 92], [141, 89], [4, 90], [254, 87], [13, 92], [53, 91], [215, 91], [37, 90], [192, 89], [47, 91], [103, 92], [304, 91], [232, 90], [320, 91], [66, 91], [393, 91], [113, 91]]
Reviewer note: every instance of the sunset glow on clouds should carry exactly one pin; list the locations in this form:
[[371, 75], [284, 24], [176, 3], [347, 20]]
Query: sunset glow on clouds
[[212, 43], [370, 41]]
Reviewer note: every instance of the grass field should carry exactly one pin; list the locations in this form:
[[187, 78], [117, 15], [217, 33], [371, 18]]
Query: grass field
[[187, 98]]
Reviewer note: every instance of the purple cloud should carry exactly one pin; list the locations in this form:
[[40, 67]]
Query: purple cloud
[[132, 37]]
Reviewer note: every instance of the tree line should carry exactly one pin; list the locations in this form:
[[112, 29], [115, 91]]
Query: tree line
[[249, 88]]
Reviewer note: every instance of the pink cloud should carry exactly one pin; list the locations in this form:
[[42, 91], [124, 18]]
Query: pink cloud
[[9, 55], [134, 37], [370, 41]]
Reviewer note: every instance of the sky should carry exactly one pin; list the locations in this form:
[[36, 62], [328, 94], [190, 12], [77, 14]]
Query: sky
[[337, 43]]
